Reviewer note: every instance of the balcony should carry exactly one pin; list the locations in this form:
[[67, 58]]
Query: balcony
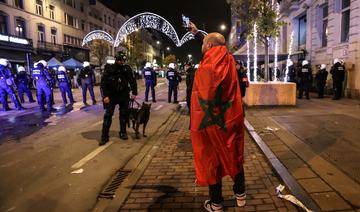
[[49, 46]]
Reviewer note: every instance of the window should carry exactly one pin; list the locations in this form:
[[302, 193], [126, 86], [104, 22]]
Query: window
[[345, 20], [81, 7], [53, 35], [82, 25], [19, 4], [52, 12], [71, 21], [39, 6], [41, 33], [20, 27], [71, 3], [3, 24], [324, 36], [105, 18], [302, 31]]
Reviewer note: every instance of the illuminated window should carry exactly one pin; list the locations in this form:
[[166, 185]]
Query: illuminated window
[[325, 14]]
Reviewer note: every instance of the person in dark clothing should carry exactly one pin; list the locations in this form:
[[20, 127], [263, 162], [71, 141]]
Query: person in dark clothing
[[320, 79], [291, 75], [242, 76], [174, 79], [86, 80], [338, 75], [190, 75], [305, 79], [7, 85], [117, 82], [64, 85], [150, 81], [22, 81]]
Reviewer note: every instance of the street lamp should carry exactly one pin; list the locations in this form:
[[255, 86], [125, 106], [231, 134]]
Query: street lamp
[[189, 56], [223, 27], [168, 48], [158, 42]]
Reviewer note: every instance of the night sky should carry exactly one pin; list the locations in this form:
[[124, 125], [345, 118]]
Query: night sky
[[204, 13]]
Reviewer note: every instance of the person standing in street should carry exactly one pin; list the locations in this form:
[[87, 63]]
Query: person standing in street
[[22, 81], [217, 121], [86, 80], [44, 83], [305, 79], [7, 85], [190, 75], [174, 79], [291, 76], [338, 75], [243, 80], [117, 82], [320, 79], [150, 81], [64, 85]]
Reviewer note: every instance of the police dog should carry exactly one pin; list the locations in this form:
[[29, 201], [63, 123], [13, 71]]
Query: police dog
[[139, 116]]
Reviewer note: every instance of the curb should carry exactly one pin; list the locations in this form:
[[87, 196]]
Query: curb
[[281, 170]]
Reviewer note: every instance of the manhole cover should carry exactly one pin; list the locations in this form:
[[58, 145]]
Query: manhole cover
[[109, 191]]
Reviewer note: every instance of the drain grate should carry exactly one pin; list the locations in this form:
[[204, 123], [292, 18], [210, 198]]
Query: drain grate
[[110, 189]]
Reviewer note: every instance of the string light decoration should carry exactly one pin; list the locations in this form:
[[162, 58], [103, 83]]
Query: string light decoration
[[277, 8], [289, 56], [248, 58], [255, 52], [98, 34], [189, 36]]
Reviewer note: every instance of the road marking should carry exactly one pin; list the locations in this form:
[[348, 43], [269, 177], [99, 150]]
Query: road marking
[[91, 155], [96, 123], [158, 107], [159, 84]]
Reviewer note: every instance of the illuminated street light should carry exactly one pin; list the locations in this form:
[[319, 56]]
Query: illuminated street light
[[189, 56], [223, 27], [168, 48], [158, 42]]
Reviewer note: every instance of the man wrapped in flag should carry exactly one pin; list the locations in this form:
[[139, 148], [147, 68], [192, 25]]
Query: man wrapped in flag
[[217, 123]]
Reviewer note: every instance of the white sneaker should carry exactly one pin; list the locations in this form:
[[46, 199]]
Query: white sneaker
[[209, 206], [241, 199]]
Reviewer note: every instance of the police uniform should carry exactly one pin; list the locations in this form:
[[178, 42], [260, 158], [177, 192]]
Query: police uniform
[[150, 83], [305, 80], [174, 79], [7, 86], [87, 80], [116, 83], [23, 80], [64, 85], [44, 83], [320, 79], [338, 75]]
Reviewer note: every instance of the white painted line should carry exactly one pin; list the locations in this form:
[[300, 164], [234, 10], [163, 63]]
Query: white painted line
[[159, 84], [96, 123], [91, 155], [158, 107]]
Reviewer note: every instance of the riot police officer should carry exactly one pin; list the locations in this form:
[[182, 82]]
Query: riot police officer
[[174, 79], [86, 80], [320, 79], [44, 84], [291, 75], [7, 85], [117, 82], [22, 80], [338, 74], [305, 79], [64, 85], [150, 81]]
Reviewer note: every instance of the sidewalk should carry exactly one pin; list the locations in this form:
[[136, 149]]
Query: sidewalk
[[318, 141], [168, 182]]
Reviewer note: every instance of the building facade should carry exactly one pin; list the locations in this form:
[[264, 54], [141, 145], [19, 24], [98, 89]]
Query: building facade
[[53, 28]]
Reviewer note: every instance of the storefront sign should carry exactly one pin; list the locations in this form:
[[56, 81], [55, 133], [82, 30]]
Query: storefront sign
[[13, 39]]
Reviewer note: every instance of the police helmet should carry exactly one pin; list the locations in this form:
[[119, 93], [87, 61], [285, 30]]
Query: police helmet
[[43, 62], [172, 65], [120, 56], [62, 68], [86, 64], [110, 61], [21, 68], [148, 65], [290, 63], [4, 62], [323, 66], [336, 60], [196, 66], [305, 62]]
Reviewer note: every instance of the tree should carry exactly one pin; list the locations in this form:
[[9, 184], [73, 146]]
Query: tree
[[136, 50], [263, 13], [100, 49], [169, 59]]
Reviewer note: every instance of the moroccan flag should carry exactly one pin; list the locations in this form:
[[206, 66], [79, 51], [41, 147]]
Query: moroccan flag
[[217, 122]]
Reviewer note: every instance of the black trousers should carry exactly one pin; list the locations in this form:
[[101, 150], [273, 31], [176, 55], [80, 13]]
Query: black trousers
[[109, 112], [173, 89], [215, 191], [320, 88], [337, 89], [304, 86]]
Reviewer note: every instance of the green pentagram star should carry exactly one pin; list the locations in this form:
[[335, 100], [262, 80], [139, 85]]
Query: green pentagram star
[[211, 115]]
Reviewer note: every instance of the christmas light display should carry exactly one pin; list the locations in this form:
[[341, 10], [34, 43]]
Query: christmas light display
[[98, 34], [188, 36], [248, 58], [289, 56], [276, 43], [255, 52]]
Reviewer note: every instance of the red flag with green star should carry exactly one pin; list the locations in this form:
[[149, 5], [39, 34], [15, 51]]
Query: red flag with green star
[[217, 122]]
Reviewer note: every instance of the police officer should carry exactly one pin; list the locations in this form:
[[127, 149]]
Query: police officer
[[22, 80], [190, 76], [7, 85], [291, 75], [86, 80], [150, 81], [64, 85], [320, 79], [305, 79], [174, 79], [117, 82], [338, 74], [44, 84]]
